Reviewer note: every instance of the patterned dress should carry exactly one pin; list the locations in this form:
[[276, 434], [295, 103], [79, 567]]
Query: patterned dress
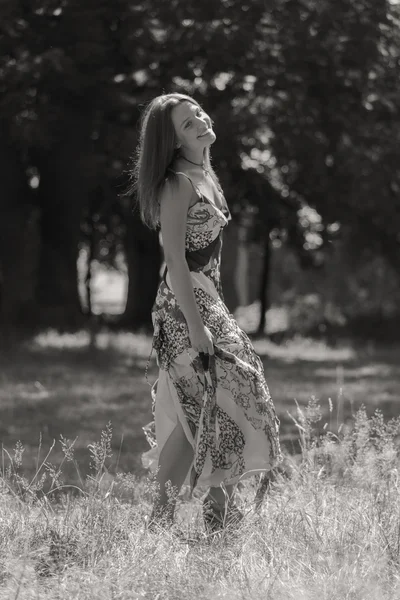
[[226, 411]]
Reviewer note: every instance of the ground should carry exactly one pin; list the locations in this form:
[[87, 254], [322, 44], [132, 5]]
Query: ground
[[327, 529], [63, 385]]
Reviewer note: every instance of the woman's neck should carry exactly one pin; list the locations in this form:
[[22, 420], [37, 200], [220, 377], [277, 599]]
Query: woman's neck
[[195, 158]]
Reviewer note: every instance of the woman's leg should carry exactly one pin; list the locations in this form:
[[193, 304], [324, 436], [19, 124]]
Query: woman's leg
[[221, 497], [173, 465], [219, 509]]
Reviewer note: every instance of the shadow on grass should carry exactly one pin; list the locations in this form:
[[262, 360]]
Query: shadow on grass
[[60, 385], [48, 391], [342, 379]]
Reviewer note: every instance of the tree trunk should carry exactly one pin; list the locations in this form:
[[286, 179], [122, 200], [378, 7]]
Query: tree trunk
[[264, 284], [229, 265], [17, 242], [65, 182], [143, 257]]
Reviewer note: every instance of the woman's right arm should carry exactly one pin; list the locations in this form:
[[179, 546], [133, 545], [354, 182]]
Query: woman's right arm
[[174, 205]]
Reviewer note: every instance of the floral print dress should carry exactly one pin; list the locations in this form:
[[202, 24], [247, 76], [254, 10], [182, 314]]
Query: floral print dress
[[226, 411]]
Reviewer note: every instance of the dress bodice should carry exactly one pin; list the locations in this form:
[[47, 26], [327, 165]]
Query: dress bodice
[[205, 219], [203, 239], [204, 224]]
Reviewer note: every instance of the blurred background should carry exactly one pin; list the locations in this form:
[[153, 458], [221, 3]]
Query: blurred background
[[305, 95]]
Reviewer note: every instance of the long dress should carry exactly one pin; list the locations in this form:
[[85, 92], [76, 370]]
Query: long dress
[[226, 411]]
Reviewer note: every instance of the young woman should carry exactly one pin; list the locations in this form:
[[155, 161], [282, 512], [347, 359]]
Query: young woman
[[215, 422]]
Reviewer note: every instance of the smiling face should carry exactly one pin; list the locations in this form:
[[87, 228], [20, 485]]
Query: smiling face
[[192, 126]]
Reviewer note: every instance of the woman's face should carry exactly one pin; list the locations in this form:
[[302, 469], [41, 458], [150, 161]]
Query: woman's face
[[193, 126]]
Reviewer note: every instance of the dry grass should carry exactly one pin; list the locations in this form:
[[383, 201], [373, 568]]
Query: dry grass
[[329, 528]]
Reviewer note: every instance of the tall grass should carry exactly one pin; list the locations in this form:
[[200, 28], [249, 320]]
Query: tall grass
[[327, 529]]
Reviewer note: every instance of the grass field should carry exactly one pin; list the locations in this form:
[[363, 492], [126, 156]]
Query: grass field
[[331, 531], [63, 385]]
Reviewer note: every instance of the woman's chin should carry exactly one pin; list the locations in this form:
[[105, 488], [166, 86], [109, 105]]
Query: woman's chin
[[209, 139]]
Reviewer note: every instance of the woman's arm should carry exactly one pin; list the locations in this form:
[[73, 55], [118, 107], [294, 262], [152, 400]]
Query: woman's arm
[[174, 205]]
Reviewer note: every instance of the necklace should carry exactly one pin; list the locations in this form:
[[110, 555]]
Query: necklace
[[194, 163]]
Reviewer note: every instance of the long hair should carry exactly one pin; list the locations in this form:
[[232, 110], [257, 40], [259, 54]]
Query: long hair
[[155, 154]]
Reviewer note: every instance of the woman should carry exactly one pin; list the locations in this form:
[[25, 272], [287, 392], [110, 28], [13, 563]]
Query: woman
[[214, 418]]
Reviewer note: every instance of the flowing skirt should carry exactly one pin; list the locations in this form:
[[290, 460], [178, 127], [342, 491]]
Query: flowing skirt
[[225, 411]]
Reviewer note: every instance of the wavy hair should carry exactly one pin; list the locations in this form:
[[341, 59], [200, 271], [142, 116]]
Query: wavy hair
[[155, 154]]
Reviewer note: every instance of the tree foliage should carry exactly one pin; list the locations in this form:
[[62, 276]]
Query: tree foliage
[[304, 94], [334, 113]]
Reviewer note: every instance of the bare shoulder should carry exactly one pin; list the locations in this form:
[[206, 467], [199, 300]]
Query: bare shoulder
[[174, 204], [176, 193]]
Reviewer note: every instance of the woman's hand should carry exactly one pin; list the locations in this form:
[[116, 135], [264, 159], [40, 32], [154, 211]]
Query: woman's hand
[[201, 339]]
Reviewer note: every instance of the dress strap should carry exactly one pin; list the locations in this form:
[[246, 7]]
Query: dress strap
[[187, 177]]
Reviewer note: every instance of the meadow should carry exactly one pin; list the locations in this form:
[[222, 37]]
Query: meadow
[[74, 495]]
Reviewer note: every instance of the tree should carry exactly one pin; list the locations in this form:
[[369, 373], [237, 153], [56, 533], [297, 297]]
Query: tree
[[58, 78], [333, 112], [301, 117], [16, 217]]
